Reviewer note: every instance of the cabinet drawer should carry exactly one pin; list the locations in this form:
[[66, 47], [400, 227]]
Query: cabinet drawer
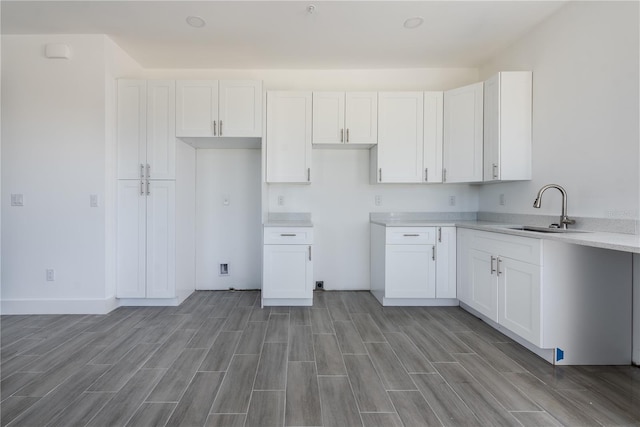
[[288, 235], [523, 249], [411, 236]]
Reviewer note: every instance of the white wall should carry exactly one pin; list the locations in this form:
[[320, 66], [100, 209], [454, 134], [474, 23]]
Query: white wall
[[230, 234], [56, 129], [585, 62]]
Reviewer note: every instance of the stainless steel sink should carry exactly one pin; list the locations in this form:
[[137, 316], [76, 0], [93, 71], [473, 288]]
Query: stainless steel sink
[[546, 229]]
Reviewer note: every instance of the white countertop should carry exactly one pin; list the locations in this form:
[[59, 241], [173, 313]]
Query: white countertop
[[597, 239], [288, 223]]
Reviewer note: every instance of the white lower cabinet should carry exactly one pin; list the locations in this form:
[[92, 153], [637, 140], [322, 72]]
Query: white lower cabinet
[[406, 268], [287, 266], [567, 303], [146, 239]]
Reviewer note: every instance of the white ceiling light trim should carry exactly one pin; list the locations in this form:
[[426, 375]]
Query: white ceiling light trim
[[413, 22], [196, 21]]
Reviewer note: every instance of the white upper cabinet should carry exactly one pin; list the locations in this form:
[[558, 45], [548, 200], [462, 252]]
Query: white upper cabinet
[[432, 152], [345, 118], [146, 129], [398, 156], [212, 108], [507, 126], [288, 137], [463, 133]]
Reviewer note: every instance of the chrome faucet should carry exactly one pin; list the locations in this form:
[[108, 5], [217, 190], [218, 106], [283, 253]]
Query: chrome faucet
[[564, 219]]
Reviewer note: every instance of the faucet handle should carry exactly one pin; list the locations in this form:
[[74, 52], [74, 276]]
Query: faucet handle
[[567, 220]]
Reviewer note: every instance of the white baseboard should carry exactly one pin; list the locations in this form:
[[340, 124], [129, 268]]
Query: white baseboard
[[58, 306]]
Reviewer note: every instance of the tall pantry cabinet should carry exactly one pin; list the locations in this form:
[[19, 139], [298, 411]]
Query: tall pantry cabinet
[[155, 195]]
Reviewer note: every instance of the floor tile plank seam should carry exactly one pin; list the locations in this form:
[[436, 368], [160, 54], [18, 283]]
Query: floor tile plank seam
[[453, 390]]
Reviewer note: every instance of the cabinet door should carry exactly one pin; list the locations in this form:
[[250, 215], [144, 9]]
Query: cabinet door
[[446, 262], [161, 129], [131, 128], [131, 240], [483, 288], [432, 161], [463, 134], [161, 242], [400, 116], [240, 108], [519, 298], [361, 118], [287, 271], [328, 118], [288, 153], [492, 129], [196, 108], [410, 271]]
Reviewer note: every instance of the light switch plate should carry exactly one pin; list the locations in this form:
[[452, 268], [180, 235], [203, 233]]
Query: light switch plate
[[17, 200], [93, 200]]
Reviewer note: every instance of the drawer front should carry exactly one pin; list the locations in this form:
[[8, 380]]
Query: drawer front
[[288, 235], [523, 249], [411, 236]]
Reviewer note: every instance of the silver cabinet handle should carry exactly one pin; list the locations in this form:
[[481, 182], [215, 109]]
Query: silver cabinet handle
[[142, 187], [214, 128], [380, 175], [347, 134], [493, 269], [288, 235], [499, 266], [148, 171], [341, 135], [309, 252], [141, 170], [220, 127], [411, 235], [444, 175], [426, 174], [148, 190], [495, 171], [433, 253], [308, 174], [439, 234]]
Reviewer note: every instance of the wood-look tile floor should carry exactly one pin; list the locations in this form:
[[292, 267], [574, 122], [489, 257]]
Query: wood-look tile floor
[[221, 360]]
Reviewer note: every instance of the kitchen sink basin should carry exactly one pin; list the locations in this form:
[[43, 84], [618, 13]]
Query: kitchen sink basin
[[546, 229]]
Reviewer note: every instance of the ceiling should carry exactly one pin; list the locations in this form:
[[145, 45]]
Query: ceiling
[[283, 34]]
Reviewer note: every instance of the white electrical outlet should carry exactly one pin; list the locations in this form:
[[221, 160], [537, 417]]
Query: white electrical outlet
[[226, 200], [378, 200], [17, 200], [501, 200], [452, 200], [280, 200], [93, 200], [51, 275]]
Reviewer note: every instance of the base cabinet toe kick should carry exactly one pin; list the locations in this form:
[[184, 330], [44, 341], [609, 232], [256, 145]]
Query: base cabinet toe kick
[[569, 304]]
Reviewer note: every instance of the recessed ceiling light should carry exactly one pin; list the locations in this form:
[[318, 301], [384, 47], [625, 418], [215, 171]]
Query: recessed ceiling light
[[414, 22], [311, 9], [196, 21]]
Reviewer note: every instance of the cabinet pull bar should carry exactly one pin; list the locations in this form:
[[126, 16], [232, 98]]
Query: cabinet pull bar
[[148, 189], [220, 127], [426, 174], [309, 252], [495, 171], [142, 187], [308, 174], [444, 175], [148, 171], [380, 175], [341, 135], [141, 170], [288, 235], [493, 259], [499, 266], [439, 234], [411, 235], [433, 253], [347, 134], [214, 127]]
